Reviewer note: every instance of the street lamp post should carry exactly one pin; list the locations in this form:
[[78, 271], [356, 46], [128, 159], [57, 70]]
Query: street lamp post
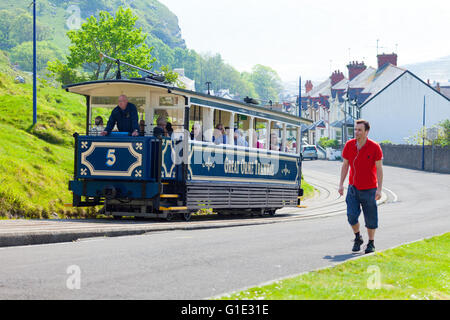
[[344, 134], [34, 65], [354, 105], [423, 135]]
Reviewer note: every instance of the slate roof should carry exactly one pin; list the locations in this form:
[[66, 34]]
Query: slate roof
[[366, 84]]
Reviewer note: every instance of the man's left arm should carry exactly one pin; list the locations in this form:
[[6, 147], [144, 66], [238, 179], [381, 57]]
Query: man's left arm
[[379, 165]]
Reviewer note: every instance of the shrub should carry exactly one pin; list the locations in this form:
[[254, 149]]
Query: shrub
[[325, 142]]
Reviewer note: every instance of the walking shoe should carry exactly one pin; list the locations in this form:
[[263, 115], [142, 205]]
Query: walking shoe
[[370, 247], [357, 245]]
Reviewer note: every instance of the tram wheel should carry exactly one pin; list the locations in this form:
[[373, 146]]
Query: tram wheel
[[271, 212], [186, 216], [169, 216]]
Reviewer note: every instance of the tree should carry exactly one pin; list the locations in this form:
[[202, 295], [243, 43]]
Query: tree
[[63, 74], [114, 36], [22, 54], [443, 138], [17, 27], [267, 82], [444, 133]]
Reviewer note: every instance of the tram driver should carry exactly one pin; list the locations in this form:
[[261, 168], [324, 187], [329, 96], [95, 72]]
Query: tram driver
[[125, 116]]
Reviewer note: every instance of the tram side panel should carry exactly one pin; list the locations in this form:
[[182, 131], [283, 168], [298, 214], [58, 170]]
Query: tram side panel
[[115, 167], [226, 177]]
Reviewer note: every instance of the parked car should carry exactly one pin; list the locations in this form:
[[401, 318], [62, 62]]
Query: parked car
[[309, 152]]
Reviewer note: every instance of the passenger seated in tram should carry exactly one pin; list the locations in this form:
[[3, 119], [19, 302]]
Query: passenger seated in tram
[[125, 116], [196, 133], [256, 143], [98, 127], [274, 145], [142, 128], [169, 129], [219, 136], [226, 135], [239, 139], [160, 129]]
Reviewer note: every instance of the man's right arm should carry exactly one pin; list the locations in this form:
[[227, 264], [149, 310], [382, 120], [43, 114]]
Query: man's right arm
[[344, 171], [110, 124]]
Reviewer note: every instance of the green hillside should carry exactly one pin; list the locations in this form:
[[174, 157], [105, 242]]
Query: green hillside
[[36, 163], [54, 18]]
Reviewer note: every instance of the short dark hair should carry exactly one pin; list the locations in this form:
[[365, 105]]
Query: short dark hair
[[98, 120], [365, 123]]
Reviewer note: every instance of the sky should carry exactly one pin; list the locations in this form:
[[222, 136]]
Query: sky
[[311, 39]]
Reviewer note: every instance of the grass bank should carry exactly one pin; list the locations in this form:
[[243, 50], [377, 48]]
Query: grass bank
[[36, 162], [418, 270]]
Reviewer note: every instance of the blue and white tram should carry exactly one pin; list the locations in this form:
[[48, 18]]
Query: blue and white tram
[[256, 170]]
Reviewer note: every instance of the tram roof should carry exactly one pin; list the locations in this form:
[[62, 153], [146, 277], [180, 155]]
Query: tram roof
[[134, 88]]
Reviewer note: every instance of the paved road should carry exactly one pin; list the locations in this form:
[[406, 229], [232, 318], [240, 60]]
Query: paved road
[[195, 264]]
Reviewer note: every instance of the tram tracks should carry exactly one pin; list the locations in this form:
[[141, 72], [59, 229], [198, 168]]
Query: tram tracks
[[326, 203]]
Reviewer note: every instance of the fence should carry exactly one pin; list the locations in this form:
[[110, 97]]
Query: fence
[[410, 156]]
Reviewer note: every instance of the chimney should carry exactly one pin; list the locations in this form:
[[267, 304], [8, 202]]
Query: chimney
[[336, 77], [308, 86], [383, 59], [355, 68]]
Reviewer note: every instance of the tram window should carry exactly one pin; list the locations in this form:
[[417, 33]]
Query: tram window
[[261, 134], [174, 118], [222, 120], [196, 123], [291, 139], [101, 108], [241, 127], [276, 136], [196, 131], [99, 119]]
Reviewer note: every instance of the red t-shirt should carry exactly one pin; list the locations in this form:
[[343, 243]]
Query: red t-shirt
[[363, 171]]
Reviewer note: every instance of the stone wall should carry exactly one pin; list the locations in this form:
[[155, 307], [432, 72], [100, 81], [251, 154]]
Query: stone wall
[[410, 156]]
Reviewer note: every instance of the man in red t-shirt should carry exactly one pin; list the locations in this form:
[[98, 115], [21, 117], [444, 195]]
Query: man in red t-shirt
[[365, 158]]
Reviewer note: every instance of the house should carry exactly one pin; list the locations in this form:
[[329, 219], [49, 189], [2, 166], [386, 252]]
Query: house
[[395, 107], [189, 84], [443, 88], [363, 83], [316, 106], [389, 97]]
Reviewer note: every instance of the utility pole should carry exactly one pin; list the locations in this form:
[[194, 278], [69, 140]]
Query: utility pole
[[423, 136], [34, 66], [300, 97], [345, 122]]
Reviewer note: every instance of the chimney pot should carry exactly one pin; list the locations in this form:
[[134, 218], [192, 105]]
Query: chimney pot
[[384, 59], [308, 86], [336, 77], [354, 69]]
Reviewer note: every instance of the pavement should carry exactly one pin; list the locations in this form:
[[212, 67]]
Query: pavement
[[19, 232]]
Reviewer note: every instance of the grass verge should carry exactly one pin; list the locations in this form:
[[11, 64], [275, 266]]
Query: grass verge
[[418, 270]]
